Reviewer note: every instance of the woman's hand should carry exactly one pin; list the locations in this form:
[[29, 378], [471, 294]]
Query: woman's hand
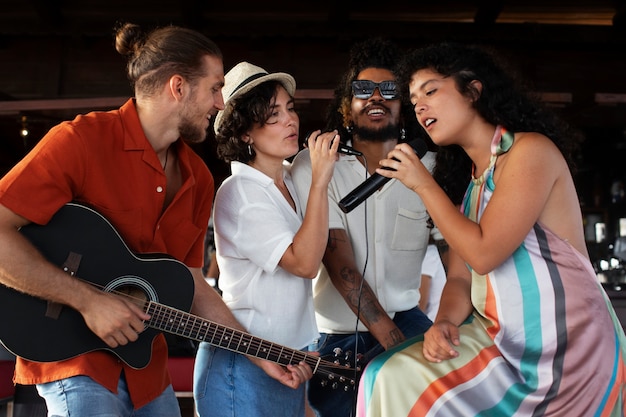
[[402, 163], [323, 150], [440, 340]]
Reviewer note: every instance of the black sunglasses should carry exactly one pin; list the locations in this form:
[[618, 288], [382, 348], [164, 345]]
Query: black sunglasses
[[364, 89]]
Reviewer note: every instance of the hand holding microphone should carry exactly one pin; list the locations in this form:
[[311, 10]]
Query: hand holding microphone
[[375, 181], [323, 149], [344, 149]]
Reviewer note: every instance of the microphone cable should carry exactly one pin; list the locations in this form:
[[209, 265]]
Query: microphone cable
[[360, 293]]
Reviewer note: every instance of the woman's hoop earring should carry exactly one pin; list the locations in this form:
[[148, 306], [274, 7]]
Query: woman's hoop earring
[[249, 149]]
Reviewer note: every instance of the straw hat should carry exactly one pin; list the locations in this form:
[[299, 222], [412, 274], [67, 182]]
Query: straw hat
[[242, 78]]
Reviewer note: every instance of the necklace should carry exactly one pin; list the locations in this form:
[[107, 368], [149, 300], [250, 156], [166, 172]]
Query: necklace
[[166, 154]]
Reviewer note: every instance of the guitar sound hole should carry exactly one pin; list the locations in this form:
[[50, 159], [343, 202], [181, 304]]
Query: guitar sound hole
[[137, 295], [134, 288], [134, 294]]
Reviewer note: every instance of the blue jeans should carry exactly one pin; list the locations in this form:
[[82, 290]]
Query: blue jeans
[[329, 402], [228, 384], [82, 396]]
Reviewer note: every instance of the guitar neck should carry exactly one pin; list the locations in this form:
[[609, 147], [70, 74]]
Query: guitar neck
[[187, 325]]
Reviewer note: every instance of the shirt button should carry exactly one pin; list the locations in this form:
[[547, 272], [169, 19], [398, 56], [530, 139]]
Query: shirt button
[[159, 189]]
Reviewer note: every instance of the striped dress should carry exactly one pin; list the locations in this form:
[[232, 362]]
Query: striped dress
[[543, 340]]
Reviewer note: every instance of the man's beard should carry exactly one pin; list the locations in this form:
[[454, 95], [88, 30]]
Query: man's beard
[[190, 132], [382, 134]]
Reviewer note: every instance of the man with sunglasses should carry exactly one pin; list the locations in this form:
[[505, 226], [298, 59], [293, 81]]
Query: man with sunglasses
[[372, 265]]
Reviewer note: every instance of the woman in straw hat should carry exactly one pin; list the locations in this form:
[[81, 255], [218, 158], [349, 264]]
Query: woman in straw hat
[[267, 250]]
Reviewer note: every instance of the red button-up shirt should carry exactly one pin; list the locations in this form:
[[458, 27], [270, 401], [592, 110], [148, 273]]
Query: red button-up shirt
[[104, 160]]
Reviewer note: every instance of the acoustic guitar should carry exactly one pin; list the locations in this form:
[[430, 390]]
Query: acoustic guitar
[[87, 246]]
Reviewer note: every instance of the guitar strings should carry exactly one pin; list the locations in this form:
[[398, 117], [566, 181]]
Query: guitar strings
[[164, 321], [173, 320], [176, 321]]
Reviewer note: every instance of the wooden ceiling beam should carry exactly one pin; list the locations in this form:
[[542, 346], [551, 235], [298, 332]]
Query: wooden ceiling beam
[[48, 12], [487, 12], [192, 12], [114, 102]]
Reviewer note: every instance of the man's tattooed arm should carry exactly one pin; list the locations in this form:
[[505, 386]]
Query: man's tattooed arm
[[341, 266]]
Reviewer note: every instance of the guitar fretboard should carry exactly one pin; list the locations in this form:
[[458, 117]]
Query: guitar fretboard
[[181, 323]]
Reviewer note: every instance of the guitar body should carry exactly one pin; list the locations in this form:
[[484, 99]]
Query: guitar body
[[39, 331]]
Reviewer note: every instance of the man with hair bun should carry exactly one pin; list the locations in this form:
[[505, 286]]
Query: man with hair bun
[[135, 167]]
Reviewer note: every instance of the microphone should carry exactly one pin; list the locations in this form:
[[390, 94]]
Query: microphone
[[344, 149], [375, 181], [347, 150]]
